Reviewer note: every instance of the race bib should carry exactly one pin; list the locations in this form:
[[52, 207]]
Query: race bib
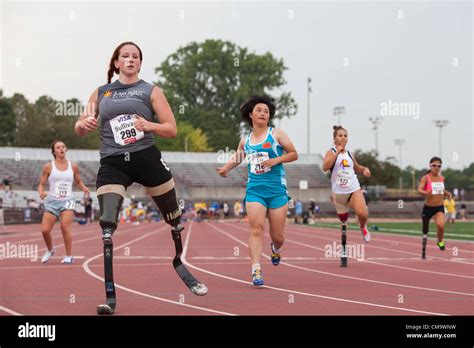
[[437, 188], [344, 178], [124, 130], [62, 189], [255, 160]]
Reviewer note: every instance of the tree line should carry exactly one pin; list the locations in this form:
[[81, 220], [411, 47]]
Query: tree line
[[205, 84]]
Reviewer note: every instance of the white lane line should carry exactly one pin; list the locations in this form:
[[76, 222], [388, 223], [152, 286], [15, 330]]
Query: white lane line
[[85, 230], [295, 291], [86, 268], [383, 264], [8, 310], [394, 251], [248, 258], [383, 239], [143, 257]]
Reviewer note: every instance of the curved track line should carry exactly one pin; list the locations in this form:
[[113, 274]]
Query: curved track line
[[294, 291], [86, 268], [355, 278], [10, 311]]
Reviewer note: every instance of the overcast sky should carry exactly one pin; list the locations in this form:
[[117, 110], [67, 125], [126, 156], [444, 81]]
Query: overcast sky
[[369, 57]]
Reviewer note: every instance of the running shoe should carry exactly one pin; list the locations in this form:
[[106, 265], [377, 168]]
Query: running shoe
[[365, 234], [67, 259], [441, 245], [47, 255], [276, 257], [257, 277], [199, 289]]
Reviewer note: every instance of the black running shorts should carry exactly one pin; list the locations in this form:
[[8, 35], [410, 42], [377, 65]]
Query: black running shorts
[[145, 167], [429, 212]]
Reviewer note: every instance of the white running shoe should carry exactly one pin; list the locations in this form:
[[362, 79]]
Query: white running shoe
[[47, 255], [199, 289], [365, 234], [68, 259]]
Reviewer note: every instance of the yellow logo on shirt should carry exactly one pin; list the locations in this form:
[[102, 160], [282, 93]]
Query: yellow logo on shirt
[[345, 163], [107, 93]]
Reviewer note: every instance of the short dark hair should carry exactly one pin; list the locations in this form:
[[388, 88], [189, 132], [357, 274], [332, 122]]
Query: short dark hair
[[247, 107]]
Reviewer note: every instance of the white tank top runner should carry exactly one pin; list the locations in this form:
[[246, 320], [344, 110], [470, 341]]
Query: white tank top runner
[[60, 182], [343, 177]]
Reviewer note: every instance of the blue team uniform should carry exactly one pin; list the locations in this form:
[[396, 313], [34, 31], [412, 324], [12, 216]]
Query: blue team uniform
[[266, 186]]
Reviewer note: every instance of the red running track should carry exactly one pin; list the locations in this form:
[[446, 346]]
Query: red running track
[[391, 279]]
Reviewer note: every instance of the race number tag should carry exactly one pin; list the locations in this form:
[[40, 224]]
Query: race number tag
[[437, 188], [255, 160], [62, 189], [124, 130], [344, 178]]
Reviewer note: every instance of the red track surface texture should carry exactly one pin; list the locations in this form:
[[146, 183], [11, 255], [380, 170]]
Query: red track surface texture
[[390, 280]]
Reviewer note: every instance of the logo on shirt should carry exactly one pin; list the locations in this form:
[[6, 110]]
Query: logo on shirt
[[345, 163], [267, 145], [128, 94], [107, 93]]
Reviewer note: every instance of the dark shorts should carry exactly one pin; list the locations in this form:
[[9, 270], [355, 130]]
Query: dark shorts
[[145, 167], [429, 212], [88, 210]]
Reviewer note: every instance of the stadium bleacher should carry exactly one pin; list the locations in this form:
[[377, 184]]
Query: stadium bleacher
[[190, 170]]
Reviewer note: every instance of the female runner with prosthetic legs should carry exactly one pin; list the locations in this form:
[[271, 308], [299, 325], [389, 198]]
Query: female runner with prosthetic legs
[[432, 187], [128, 154]]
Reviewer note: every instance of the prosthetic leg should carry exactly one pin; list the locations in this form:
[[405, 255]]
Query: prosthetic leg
[[426, 226], [165, 198], [343, 218], [110, 204]]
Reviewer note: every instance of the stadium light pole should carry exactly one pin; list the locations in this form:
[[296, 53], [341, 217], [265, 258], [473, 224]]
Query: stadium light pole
[[400, 142], [376, 121], [338, 111], [309, 92], [440, 124]]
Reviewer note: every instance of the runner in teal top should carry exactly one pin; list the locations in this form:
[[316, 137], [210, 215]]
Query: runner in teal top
[[268, 185], [266, 149]]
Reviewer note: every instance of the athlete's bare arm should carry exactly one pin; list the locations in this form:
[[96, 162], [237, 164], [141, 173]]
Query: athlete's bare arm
[[360, 169], [234, 160], [167, 126], [88, 120], [422, 185], [77, 179], [44, 176], [290, 154]]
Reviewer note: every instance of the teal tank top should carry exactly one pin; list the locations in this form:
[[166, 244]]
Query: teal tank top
[[266, 182]]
